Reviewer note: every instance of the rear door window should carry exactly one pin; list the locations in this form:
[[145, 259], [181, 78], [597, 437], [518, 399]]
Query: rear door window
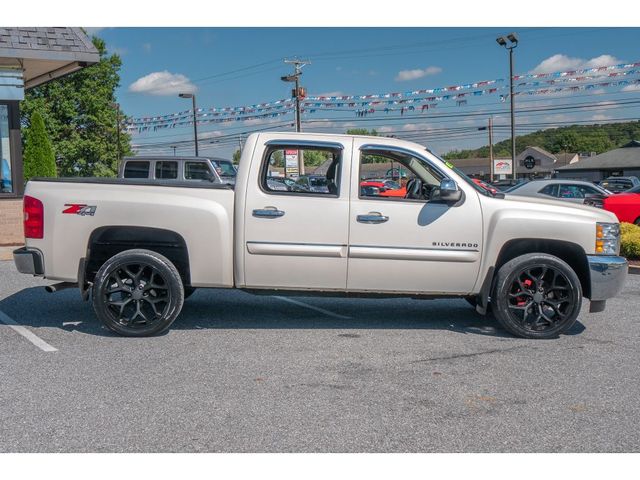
[[136, 169], [167, 170], [551, 190]]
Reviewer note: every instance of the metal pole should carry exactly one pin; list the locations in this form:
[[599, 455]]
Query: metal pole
[[491, 147], [195, 124], [118, 132], [513, 121], [297, 103]]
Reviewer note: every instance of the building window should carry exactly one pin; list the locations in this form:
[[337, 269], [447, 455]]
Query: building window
[[6, 179]]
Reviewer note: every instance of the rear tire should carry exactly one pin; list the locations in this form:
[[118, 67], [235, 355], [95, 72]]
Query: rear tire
[[536, 296], [137, 293]]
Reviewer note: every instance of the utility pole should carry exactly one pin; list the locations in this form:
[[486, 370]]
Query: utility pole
[[491, 146], [490, 129], [513, 43], [298, 93], [174, 150]]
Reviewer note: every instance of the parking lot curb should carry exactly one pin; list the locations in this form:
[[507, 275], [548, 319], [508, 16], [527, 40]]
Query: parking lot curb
[[634, 269]]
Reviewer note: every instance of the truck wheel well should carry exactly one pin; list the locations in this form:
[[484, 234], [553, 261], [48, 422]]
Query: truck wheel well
[[571, 253], [105, 242]]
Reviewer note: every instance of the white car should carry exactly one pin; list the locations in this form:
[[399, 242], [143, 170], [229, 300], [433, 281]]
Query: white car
[[137, 248], [575, 191]]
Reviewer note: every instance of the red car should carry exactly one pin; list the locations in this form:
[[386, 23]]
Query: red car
[[626, 205], [484, 185]]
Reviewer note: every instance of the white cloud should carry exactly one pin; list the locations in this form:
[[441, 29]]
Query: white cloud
[[163, 83], [335, 93], [559, 63], [632, 88], [405, 75], [210, 134], [599, 117]]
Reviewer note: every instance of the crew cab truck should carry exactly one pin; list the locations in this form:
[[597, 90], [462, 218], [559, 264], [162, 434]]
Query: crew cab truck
[[138, 247]]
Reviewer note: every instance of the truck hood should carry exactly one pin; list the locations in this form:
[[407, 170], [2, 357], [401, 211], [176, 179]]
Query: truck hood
[[561, 208]]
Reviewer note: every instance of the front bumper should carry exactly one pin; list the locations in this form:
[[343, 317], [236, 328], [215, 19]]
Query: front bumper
[[607, 275], [29, 260]]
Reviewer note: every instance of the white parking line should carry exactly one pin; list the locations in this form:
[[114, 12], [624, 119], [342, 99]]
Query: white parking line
[[311, 307], [26, 333]]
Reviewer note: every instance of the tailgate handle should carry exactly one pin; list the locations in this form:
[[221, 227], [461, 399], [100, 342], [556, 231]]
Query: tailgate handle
[[372, 217], [268, 212]]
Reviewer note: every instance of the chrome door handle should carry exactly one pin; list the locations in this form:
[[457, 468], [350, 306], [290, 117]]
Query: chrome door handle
[[372, 217], [268, 212]]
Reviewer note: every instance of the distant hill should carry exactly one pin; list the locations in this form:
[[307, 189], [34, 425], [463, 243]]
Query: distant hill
[[574, 138]]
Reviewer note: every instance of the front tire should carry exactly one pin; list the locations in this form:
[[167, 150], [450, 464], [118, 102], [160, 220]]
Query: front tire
[[138, 293], [536, 296]]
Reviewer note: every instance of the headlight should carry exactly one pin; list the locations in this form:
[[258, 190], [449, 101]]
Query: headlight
[[607, 238]]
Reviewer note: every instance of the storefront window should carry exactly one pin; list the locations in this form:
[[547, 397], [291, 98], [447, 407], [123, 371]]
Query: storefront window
[[6, 184]]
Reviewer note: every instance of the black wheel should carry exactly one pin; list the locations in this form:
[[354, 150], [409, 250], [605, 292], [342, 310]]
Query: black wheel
[[537, 296], [138, 293], [188, 291]]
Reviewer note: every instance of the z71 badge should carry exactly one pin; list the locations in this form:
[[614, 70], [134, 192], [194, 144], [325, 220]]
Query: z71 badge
[[80, 209]]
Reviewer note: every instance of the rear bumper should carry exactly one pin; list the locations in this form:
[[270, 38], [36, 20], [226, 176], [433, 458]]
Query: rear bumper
[[607, 274], [29, 260]]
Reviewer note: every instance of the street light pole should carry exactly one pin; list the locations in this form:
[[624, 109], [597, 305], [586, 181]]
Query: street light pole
[[192, 96], [513, 39]]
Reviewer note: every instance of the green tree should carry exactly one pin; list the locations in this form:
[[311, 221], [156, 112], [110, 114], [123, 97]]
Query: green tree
[[39, 159], [236, 157], [81, 117], [362, 131]]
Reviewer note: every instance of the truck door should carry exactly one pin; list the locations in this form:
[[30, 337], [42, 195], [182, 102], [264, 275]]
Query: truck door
[[410, 245], [296, 233]]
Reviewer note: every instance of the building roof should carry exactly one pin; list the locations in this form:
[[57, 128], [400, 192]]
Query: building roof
[[627, 156], [45, 53]]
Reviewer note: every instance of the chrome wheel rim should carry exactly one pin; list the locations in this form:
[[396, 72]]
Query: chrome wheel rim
[[136, 295], [541, 298]]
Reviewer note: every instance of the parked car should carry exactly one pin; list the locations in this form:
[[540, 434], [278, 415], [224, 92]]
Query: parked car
[[620, 184], [172, 169], [225, 169], [568, 190], [485, 185], [626, 206], [381, 184], [504, 185], [314, 183], [285, 184], [136, 248]]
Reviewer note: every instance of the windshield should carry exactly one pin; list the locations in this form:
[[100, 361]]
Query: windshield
[[478, 188], [224, 168], [634, 190]]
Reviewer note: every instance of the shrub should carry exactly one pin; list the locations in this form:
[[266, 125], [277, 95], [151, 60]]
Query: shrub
[[39, 160], [630, 241]]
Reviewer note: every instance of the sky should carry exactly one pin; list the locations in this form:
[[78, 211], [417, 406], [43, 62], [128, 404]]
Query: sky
[[242, 66]]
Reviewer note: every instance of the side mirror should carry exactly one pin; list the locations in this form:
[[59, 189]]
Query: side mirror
[[449, 191]]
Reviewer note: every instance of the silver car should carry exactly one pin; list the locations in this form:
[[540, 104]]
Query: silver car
[[569, 190]]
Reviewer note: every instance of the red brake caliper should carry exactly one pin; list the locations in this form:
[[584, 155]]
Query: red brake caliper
[[522, 300]]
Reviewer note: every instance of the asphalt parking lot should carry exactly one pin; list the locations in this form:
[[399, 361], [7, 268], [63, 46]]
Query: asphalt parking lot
[[242, 373]]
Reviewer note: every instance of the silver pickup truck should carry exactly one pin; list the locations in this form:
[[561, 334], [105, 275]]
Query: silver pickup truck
[[138, 247]]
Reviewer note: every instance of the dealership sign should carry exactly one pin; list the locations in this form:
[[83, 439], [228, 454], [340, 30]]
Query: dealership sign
[[502, 167], [291, 163]]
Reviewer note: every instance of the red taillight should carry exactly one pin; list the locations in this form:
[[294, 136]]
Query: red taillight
[[33, 217]]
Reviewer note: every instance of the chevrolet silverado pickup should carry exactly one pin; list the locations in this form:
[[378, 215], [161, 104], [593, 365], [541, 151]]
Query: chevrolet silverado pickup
[[138, 247]]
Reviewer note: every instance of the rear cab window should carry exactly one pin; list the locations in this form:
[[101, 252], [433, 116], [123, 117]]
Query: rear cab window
[[136, 169], [167, 170]]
